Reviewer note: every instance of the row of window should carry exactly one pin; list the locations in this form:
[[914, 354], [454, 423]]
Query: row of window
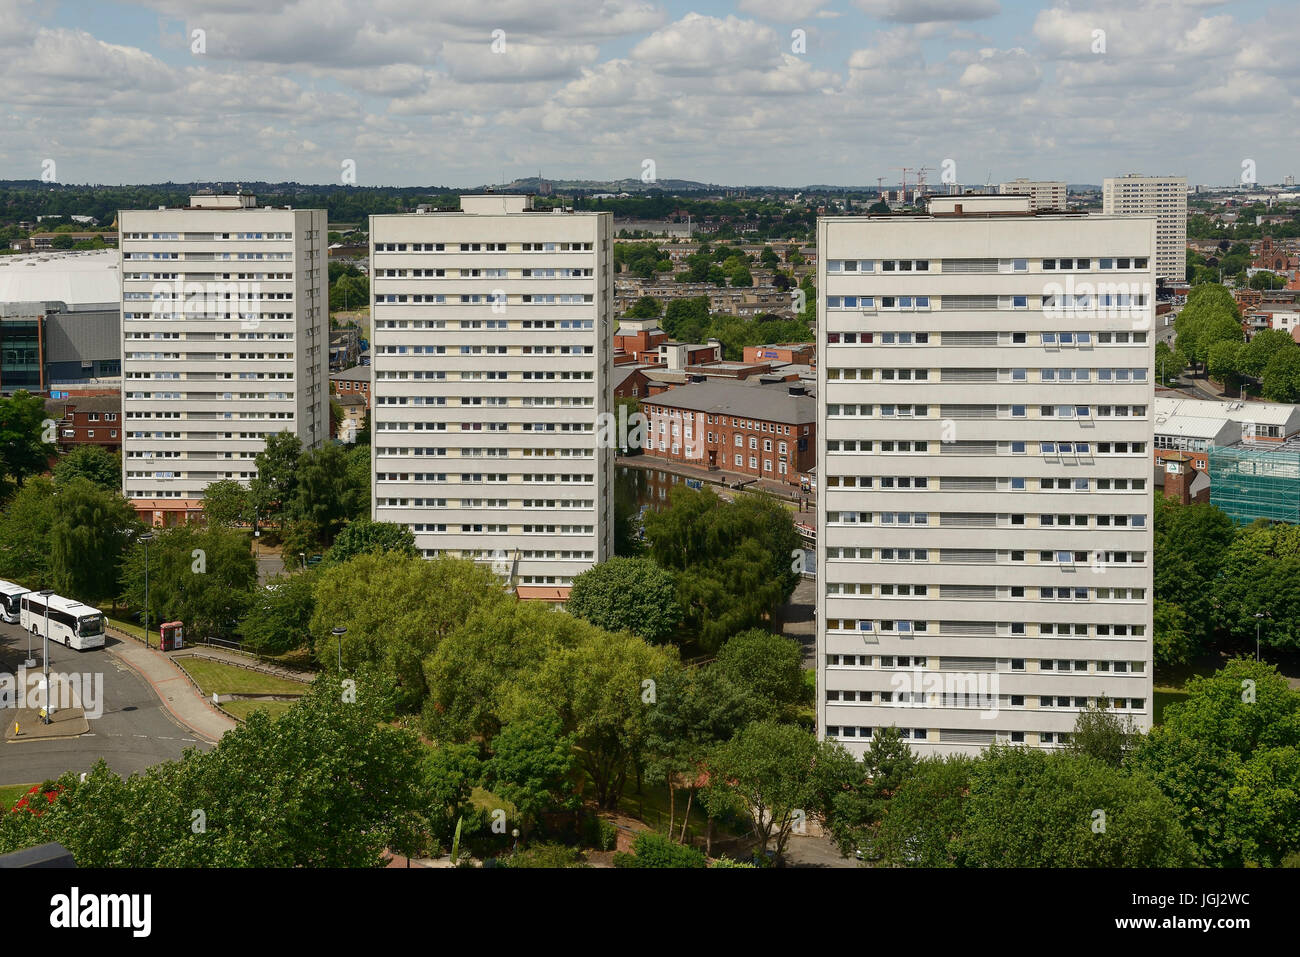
[[986, 375], [986, 519], [1013, 629], [985, 592], [981, 701], [967, 266], [982, 556], [980, 448], [887, 662], [485, 324], [481, 247], [981, 484]]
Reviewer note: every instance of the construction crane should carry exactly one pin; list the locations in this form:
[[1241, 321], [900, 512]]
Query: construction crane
[[920, 177], [906, 170], [880, 186]]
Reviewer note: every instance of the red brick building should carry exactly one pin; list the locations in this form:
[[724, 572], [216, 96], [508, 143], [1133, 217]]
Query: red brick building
[[801, 353], [88, 420], [767, 432], [352, 382]]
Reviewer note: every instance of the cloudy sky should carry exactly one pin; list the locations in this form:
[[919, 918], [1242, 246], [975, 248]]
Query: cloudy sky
[[418, 92]]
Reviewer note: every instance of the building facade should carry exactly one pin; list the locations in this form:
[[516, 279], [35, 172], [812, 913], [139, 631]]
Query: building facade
[[1043, 194], [984, 439], [1164, 197], [492, 367], [766, 432], [224, 338]]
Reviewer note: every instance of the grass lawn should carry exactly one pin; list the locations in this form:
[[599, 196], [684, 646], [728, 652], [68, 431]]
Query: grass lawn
[[10, 793], [651, 806], [228, 679], [242, 709]]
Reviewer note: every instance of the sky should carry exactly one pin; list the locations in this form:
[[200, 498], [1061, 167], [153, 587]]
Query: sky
[[735, 92]]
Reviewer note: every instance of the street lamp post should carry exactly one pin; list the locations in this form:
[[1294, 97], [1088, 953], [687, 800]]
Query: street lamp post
[[338, 633], [147, 537], [45, 653], [1259, 618]]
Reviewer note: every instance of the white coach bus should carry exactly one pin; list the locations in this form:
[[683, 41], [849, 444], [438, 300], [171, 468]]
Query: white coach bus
[[71, 623], [10, 603]]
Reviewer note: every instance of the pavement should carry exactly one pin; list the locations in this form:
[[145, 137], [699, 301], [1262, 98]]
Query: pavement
[[269, 562], [173, 688], [25, 724], [138, 726]]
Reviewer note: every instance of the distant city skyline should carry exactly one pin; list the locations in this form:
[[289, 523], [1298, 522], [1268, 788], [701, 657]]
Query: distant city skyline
[[741, 92]]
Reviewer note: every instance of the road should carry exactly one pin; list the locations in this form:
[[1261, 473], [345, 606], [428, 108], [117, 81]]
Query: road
[[134, 732]]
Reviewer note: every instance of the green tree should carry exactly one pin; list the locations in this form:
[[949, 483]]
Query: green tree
[[88, 540], [325, 496], [1223, 362], [627, 593], [1226, 756], [1259, 576], [397, 609], [1102, 734], [925, 817], [93, 463], [329, 784], [1174, 643], [26, 524], [856, 812], [365, 536], [769, 772], [1028, 808], [647, 307], [450, 773], [600, 686], [1281, 379], [1170, 363], [1190, 544], [200, 576], [23, 432], [682, 315], [731, 560], [531, 765], [279, 615], [226, 503], [1211, 315], [1262, 347], [1267, 280], [277, 468], [767, 669], [695, 710], [472, 673]]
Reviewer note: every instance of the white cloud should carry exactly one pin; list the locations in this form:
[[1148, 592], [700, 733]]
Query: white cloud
[[698, 45]]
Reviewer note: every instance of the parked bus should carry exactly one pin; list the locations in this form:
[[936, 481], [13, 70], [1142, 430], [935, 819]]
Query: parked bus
[[71, 623], [10, 604]]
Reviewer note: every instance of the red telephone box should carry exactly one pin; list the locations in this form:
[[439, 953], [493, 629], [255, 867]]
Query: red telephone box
[[171, 636]]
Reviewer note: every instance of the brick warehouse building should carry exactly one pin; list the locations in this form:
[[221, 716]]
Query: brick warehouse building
[[765, 431]]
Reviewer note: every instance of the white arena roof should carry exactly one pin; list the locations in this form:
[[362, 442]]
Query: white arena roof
[[76, 278]]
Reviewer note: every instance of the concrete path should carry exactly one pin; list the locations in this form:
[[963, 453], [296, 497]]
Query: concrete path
[[173, 688]]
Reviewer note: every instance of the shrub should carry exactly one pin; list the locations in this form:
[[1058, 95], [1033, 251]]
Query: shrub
[[655, 850]]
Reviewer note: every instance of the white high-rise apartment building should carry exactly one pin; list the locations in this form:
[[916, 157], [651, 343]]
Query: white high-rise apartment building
[[492, 358], [1164, 197], [224, 339], [985, 392], [1042, 195]]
